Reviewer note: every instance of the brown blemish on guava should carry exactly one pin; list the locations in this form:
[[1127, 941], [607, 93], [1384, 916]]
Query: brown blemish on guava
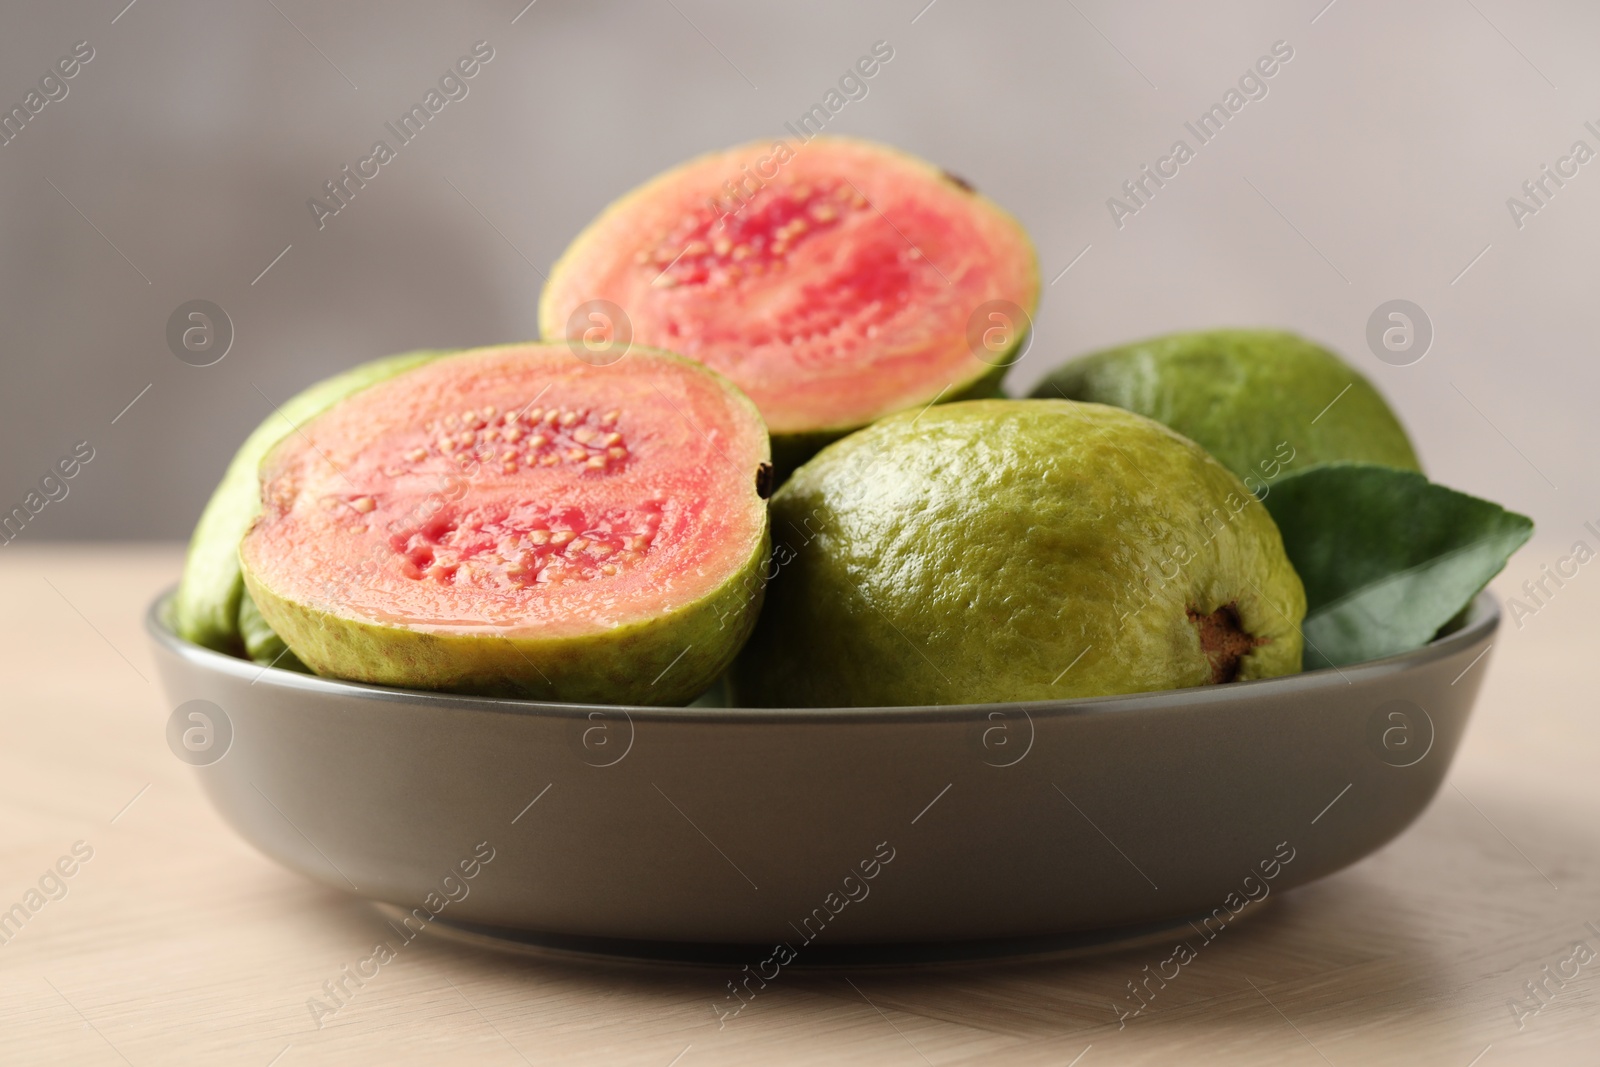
[[764, 480], [958, 180], [1224, 640]]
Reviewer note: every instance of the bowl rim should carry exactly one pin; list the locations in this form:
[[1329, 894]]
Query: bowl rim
[[1483, 620]]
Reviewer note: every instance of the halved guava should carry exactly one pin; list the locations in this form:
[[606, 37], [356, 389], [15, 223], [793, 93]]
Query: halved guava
[[209, 608], [515, 521], [834, 282]]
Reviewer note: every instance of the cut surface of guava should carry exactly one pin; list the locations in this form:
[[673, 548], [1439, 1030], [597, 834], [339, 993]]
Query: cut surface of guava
[[516, 521], [834, 281], [210, 600]]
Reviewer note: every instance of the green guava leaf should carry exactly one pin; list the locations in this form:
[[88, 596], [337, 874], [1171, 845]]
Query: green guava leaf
[[1387, 557]]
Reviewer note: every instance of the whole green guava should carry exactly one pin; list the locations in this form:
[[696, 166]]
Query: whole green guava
[[1260, 401], [1012, 550]]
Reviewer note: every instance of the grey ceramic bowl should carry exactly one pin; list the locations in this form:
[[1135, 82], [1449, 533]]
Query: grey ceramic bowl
[[681, 831]]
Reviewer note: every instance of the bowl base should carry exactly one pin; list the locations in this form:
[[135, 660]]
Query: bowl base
[[814, 958]]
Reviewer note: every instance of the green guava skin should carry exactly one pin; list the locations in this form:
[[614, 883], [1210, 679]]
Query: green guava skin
[[1013, 550], [670, 659], [261, 642], [207, 606], [1248, 397]]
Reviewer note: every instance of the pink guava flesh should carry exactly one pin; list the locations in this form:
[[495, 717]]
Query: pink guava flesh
[[517, 492], [834, 282]]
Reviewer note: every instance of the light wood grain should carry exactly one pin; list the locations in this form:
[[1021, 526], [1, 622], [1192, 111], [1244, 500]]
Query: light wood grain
[[177, 943]]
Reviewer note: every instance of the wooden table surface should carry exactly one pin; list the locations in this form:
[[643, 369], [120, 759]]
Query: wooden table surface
[[175, 942]]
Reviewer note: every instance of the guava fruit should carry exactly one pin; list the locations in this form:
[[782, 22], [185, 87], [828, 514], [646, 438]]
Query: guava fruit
[[515, 521], [1261, 401], [834, 282], [207, 607], [1018, 550]]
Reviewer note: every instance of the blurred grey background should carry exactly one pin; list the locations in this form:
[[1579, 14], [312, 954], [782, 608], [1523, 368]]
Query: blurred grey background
[[1378, 166]]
